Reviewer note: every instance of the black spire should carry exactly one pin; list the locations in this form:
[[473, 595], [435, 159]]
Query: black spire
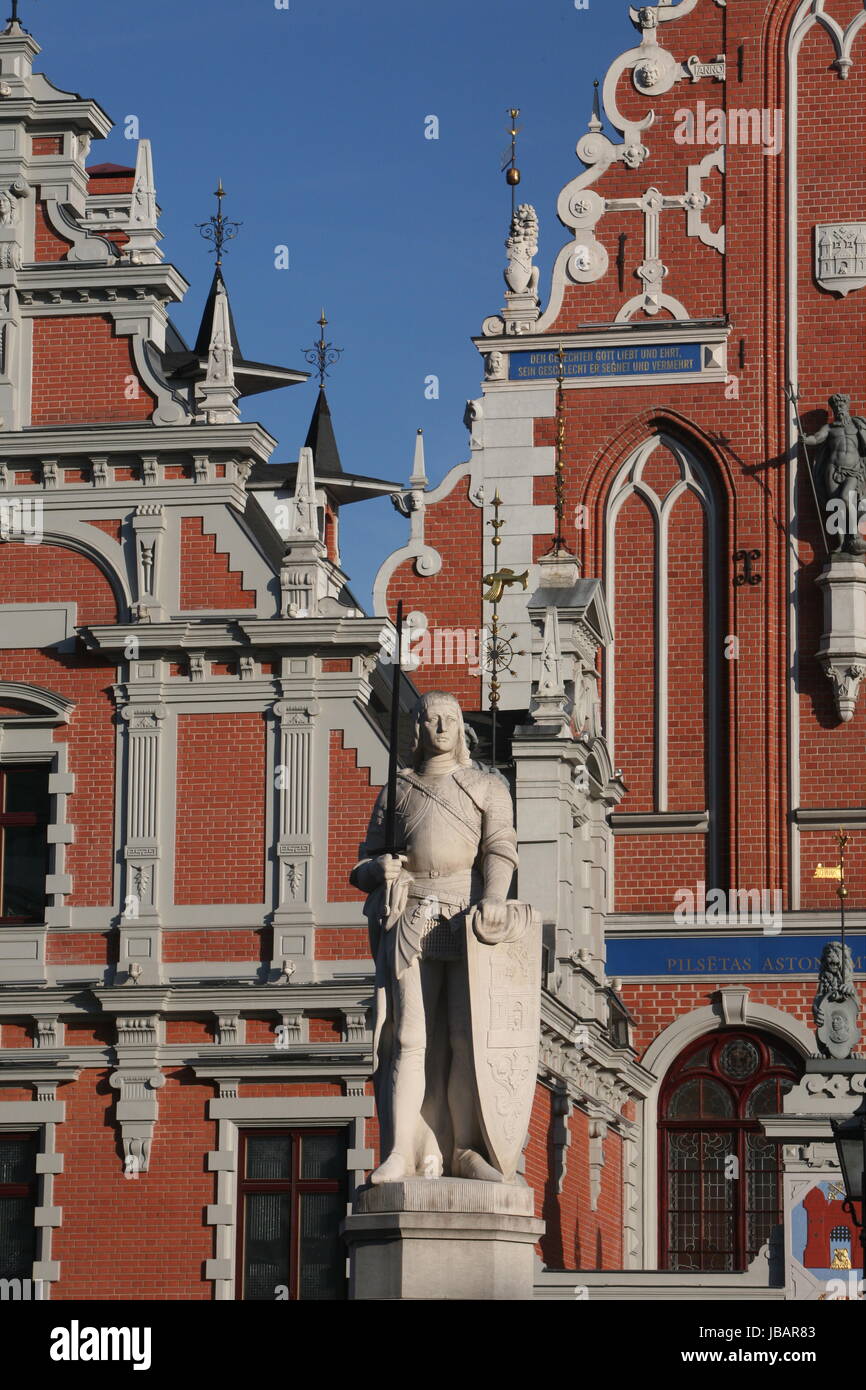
[[205, 332], [321, 439]]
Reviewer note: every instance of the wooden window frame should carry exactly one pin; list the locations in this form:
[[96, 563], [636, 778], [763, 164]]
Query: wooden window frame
[[19, 818], [29, 1189], [740, 1125], [294, 1185]]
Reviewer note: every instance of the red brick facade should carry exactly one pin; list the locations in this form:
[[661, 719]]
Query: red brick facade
[[184, 866]]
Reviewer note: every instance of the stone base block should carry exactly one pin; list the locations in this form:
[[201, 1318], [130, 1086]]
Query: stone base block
[[442, 1238]]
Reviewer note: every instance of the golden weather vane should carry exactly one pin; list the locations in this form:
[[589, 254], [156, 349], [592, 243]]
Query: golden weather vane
[[509, 159], [836, 872]]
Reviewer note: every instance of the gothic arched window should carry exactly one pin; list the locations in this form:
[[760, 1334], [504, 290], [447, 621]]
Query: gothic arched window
[[665, 674], [721, 1191]]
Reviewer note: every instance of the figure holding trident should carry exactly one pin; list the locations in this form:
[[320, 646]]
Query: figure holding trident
[[457, 964]]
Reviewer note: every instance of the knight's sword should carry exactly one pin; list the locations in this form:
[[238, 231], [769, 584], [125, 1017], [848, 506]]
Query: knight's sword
[[391, 847]]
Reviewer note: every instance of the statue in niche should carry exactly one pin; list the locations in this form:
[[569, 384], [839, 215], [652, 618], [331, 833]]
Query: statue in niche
[[455, 1048], [840, 474]]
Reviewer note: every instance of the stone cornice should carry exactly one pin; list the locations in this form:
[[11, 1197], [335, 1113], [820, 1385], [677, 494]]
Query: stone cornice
[[129, 283], [297, 1059], [82, 112], [315, 635], [138, 439]]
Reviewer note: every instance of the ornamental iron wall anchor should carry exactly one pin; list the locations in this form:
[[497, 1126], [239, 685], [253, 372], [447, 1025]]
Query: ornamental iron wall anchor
[[746, 558]]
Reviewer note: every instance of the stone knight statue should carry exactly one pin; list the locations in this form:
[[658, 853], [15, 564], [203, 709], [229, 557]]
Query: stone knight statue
[[457, 965], [840, 474]]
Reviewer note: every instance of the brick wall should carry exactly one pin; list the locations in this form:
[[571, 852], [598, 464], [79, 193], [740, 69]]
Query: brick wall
[[576, 1237], [42, 574], [205, 578], [351, 798], [134, 1238], [451, 598], [82, 373], [48, 245], [656, 1005], [221, 789]]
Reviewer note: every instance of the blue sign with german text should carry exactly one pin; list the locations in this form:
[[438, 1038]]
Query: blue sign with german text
[[643, 359]]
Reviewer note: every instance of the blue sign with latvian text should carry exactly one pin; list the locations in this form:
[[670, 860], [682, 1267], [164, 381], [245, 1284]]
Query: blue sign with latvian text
[[690, 955]]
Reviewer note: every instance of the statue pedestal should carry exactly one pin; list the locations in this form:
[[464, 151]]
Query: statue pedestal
[[842, 652], [442, 1238]]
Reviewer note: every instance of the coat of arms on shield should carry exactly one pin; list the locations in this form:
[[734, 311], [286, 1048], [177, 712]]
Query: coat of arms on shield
[[505, 993], [840, 256]]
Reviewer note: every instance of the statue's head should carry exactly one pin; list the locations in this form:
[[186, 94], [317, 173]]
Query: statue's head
[[840, 404], [438, 730]]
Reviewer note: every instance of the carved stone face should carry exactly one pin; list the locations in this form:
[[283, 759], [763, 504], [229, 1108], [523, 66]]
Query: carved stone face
[[440, 728], [840, 1027], [840, 405], [648, 74], [495, 363]]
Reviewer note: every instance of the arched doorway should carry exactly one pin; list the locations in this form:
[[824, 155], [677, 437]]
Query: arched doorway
[[720, 1176]]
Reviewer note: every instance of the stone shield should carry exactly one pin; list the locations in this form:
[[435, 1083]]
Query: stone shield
[[505, 1002]]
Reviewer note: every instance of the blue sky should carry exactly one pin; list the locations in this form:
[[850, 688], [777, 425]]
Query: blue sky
[[314, 118]]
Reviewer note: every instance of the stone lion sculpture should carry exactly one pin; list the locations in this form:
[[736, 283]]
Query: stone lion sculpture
[[836, 1005], [521, 276]]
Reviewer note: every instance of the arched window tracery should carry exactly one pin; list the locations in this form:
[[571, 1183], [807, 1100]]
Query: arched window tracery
[[720, 1176]]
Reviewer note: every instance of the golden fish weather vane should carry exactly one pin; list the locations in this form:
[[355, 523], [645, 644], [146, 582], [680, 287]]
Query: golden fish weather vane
[[836, 873]]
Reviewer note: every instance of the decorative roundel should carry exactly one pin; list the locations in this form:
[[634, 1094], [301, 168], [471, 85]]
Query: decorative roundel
[[498, 653], [656, 73], [586, 262], [584, 208], [739, 1059]]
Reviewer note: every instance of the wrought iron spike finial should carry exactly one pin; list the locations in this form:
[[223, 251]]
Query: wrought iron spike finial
[[322, 354], [596, 108], [14, 17], [218, 228]]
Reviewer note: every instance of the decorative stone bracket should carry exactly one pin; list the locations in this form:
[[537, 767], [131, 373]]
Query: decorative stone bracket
[[148, 525], [136, 1113], [842, 652], [597, 1136], [563, 1105]]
